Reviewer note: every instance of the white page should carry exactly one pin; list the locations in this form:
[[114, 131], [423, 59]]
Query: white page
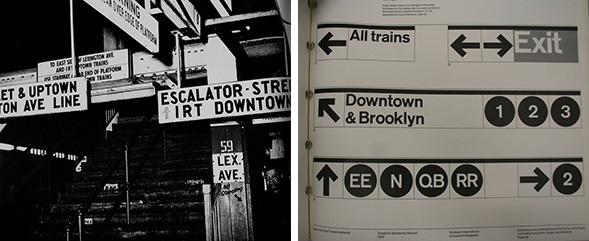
[[449, 120]]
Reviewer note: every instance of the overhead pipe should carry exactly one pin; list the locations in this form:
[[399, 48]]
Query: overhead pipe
[[127, 182]]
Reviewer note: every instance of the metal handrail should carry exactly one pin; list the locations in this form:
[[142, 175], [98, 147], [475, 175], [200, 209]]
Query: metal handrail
[[37, 167], [98, 188], [131, 179]]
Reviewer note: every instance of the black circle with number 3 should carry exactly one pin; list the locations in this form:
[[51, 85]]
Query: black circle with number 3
[[565, 111], [499, 111], [532, 111]]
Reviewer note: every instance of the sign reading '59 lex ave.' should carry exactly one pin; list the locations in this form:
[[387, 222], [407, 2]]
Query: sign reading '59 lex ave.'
[[44, 98], [241, 98], [131, 18]]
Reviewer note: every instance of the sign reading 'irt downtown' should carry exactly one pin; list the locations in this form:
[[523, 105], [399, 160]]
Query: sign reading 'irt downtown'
[[44, 98], [224, 100]]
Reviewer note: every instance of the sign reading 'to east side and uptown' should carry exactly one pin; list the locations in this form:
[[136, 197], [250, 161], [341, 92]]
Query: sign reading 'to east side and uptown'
[[131, 18], [241, 98], [44, 98], [111, 65]]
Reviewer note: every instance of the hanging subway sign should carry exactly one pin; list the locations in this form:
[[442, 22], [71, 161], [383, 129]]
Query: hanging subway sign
[[241, 98], [131, 18], [44, 98], [105, 66]]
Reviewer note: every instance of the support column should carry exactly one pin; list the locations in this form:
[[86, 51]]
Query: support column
[[230, 164]]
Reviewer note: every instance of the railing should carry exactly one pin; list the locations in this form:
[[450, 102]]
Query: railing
[[50, 152], [105, 178]]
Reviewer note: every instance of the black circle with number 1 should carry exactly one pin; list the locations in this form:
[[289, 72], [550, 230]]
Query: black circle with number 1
[[532, 111], [565, 111], [499, 111]]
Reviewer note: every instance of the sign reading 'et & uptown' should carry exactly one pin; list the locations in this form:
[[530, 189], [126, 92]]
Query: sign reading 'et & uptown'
[[44, 98]]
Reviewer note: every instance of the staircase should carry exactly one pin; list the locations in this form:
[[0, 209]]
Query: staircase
[[167, 167]]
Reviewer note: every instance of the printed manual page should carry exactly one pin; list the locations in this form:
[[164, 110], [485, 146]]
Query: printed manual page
[[449, 120]]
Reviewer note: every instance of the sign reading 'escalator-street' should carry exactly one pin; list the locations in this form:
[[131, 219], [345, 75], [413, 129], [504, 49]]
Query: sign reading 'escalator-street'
[[241, 98]]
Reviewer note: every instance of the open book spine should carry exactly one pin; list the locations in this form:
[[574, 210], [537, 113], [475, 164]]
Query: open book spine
[[310, 45]]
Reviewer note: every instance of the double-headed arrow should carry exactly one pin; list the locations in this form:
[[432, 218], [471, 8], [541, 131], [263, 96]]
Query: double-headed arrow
[[325, 106], [540, 179], [459, 45], [326, 43], [326, 173]]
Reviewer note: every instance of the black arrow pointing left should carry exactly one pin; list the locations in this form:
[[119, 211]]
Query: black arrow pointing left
[[459, 45], [326, 173], [540, 179], [325, 106], [504, 45], [326, 43]]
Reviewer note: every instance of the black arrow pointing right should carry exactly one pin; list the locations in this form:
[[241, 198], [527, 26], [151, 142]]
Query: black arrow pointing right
[[326, 43], [540, 179], [324, 106], [504, 45], [326, 173], [459, 45]]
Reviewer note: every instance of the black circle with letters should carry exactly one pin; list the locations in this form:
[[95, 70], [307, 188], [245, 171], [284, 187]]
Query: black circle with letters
[[567, 178], [360, 180], [499, 111], [399, 186], [565, 111], [467, 180], [532, 111], [428, 181]]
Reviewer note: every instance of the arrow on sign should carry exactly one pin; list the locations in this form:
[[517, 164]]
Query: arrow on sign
[[326, 173], [324, 106], [504, 45], [540, 179], [326, 43], [166, 113], [459, 45]]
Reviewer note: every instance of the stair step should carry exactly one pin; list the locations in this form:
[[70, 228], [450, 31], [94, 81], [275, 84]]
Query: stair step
[[136, 207], [153, 196], [154, 172], [138, 219]]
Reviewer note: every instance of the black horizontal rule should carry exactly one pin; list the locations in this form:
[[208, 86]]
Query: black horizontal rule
[[552, 28], [449, 92], [409, 160], [345, 25]]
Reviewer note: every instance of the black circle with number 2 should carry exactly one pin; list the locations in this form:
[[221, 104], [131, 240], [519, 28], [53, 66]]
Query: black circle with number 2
[[532, 111]]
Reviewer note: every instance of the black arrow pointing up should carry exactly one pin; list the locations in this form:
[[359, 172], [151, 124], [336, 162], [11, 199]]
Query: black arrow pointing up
[[326, 43], [324, 106], [326, 173], [540, 179], [504, 45], [459, 45]]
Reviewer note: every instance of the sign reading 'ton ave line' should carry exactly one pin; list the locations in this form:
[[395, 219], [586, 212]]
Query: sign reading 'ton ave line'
[[44, 98]]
